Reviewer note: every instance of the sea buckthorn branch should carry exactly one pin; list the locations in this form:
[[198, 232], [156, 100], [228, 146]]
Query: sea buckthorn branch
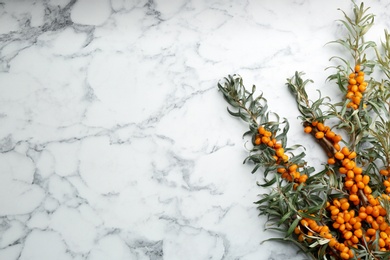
[[269, 151], [343, 211], [359, 194], [350, 78], [269, 144], [359, 122]]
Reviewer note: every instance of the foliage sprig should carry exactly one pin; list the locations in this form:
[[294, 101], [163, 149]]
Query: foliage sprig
[[341, 211]]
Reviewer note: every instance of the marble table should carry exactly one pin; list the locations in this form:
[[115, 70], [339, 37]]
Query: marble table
[[115, 142]]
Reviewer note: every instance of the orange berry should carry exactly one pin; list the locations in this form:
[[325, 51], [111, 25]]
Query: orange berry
[[344, 255], [313, 225], [258, 141], [321, 127], [359, 79], [340, 220], [276, 145], [384, 226], [307, 129], [353, 197], [370, 231], [332, 242], [375, 211], [302, 178], [349, 183], [367, 190], [348, 235], [293, 168], [352, 155], [335, 211], [357, 170], [384, 172], [347, 217], [304, 222], [354, 239], [297, 230], [380, 220], [357, 225], [369, 219], [357, 68], [350, 165], [265, 139], [350, 94], [356, 100], [358, 178], [339, 155], [362, 215], [348, 226], [373, 201], [330, 135], [382, 242], [331, 161], [337, 147], [350, 174], [360, 185], [342, 227], [352, 81], [366, 179], [337, 138], [358, 233], [319, 135], [354, 189], [382, 211], [369, 209], [345, 206], [261, 130], [362, 88], [343, 170], [375, 225], [280, 152], [345, 151]]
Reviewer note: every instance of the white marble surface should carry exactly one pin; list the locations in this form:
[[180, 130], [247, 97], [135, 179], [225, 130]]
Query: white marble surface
[[116, 144]]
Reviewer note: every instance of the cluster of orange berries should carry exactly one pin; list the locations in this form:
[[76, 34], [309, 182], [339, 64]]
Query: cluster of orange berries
[[386, 182], [321, 131], [350, 220], [354, 179], [366, 223], [356, 87], [288, 171], [309, 229]]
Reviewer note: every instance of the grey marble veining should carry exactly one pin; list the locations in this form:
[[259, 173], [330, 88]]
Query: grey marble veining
[[115, 143]]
